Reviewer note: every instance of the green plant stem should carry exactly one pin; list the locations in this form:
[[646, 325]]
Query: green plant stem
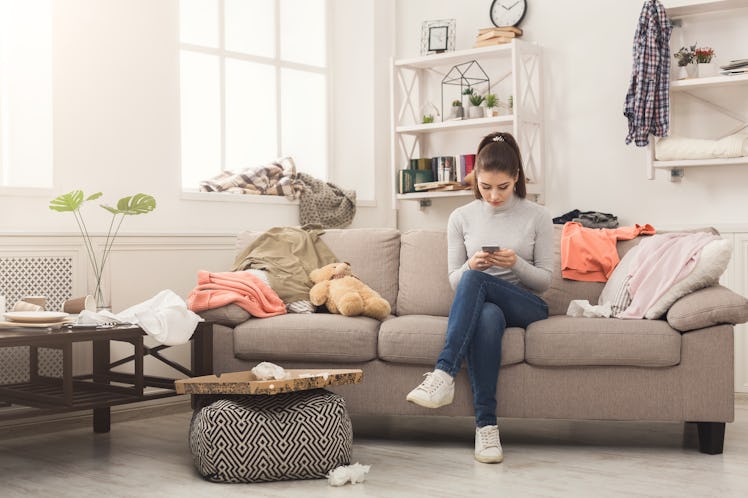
[[110, 240], [87, 240]]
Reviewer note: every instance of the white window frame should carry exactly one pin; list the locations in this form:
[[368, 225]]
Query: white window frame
[[279, 65]]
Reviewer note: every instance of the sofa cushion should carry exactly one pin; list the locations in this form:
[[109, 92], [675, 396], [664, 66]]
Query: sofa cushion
[[319, 337], [707, 307], [374, 255], [418, 340], [230, 314], [564, 341], [423, 282]]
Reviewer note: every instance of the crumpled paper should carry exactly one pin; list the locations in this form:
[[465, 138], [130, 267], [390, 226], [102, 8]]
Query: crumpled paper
[[268, 371], [582, 307], [355, 473]]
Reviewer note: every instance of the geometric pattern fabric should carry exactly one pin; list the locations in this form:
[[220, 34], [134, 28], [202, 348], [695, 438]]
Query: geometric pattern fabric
[[297, 435]]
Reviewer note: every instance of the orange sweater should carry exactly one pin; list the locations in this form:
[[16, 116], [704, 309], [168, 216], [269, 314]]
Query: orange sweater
[[590, 254], [242, 288]]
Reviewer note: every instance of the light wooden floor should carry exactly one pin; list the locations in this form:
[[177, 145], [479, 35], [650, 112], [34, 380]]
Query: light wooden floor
[[408, 457]]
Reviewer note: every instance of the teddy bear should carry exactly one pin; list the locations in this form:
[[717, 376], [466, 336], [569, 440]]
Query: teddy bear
[[343, 293]]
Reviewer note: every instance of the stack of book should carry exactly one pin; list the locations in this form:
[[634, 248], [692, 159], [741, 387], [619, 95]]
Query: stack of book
[[496, 36], [737, 66]]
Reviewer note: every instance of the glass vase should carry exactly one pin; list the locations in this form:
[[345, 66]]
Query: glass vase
[[99, 288]]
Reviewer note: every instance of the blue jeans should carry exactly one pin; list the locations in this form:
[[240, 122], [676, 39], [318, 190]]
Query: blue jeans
[[483, 307]]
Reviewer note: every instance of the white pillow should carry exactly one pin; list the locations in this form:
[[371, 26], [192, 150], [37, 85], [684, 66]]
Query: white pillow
[[616, 290], [710, 265]]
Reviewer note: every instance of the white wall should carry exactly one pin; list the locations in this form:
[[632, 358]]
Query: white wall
[[587, 66], [116, 122]]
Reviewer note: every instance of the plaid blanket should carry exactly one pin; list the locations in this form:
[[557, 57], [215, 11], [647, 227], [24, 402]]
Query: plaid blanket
[[276, 178]]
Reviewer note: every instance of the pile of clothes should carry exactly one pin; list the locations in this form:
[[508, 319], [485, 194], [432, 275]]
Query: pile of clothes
[[320, 202]]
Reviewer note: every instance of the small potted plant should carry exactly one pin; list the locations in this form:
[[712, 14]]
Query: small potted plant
[[475, 110], [704, 60], [686, 57], [458, 112], [492, 105]]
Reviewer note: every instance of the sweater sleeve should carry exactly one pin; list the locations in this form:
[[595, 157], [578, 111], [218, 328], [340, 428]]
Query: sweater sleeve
[[537, 276], [457, 260]]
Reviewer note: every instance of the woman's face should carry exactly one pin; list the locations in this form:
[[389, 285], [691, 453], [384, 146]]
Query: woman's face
[[496, 187]]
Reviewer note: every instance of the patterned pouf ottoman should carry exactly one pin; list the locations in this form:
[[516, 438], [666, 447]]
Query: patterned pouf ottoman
[[297, 435]]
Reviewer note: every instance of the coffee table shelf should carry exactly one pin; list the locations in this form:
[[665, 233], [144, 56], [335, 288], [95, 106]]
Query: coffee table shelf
[[103, 387]]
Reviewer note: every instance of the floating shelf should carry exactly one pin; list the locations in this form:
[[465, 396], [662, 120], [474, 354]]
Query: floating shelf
[[708, 82], [685, 163], [704, 7]]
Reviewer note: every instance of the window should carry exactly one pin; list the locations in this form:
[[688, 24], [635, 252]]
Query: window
[[254, 85], [26, 93]]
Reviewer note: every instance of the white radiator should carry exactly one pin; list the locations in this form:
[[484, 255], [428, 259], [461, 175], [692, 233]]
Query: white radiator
[[50, 276]]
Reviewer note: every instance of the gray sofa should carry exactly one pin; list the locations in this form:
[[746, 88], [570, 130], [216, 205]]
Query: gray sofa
[[678, 369]]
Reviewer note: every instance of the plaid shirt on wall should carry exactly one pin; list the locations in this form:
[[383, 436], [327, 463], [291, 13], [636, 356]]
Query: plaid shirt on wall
[[648, 101]]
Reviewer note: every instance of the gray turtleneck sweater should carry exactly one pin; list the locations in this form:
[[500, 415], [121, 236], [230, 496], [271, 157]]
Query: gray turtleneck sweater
[[519, 224]]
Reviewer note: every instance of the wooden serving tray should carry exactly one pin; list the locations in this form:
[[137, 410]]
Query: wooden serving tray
[[247, 383]]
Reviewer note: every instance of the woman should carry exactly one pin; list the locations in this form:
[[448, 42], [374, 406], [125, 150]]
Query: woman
[[494, 288]]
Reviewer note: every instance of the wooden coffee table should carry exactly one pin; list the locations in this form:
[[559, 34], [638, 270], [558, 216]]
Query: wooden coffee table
[[103, 388]]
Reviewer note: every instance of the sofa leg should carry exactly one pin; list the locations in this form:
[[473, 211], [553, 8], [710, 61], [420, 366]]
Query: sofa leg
[[711, 437]]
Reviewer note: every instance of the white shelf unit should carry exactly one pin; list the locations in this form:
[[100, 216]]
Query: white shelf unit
[[517, 63], [693, 88]]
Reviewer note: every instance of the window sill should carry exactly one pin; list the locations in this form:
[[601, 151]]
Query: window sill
[[27, 191], [193, 195]]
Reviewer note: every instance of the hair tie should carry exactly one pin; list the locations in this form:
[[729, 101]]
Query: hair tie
[[498, 138]]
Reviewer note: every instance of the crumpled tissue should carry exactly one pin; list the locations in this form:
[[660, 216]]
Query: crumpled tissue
[[164, 317], [268, 371], [355, 473], [582, 307]]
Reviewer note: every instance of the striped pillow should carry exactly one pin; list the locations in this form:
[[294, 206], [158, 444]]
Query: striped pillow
[[616, 290]]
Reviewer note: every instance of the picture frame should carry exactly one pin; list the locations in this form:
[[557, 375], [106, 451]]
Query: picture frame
[[437, 36]]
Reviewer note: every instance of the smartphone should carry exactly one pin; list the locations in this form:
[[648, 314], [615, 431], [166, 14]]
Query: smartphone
[[491, 248]]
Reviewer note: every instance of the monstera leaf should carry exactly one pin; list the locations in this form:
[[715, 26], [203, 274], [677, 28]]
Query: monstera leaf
[[71, 201], [136, 204]]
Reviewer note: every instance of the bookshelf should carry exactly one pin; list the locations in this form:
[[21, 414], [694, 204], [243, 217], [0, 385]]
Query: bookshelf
[[416, 87]]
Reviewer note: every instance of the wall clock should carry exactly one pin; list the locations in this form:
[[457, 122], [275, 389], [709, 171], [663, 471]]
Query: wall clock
[[507, 12]]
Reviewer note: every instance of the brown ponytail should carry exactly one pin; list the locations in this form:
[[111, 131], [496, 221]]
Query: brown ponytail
[[499, 151]]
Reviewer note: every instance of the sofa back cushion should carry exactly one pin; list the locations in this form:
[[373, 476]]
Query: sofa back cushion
[[374, 255], [424, 287], [562, 291]]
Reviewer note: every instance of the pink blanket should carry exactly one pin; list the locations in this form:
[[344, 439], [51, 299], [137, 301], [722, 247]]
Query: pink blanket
[[242, 288], [661, 262]]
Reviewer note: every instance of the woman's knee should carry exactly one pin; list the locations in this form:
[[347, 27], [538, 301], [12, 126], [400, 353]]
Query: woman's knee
[[472, 277], [492, 318]]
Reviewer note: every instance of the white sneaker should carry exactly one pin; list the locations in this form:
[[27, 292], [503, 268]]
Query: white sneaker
[[487, 444], [437, 390]]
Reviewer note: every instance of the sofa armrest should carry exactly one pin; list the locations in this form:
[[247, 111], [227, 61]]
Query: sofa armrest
[[707, 307], [229, 315]]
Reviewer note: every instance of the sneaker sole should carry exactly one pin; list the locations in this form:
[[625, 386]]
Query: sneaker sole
[[427, 404], [481, 459]]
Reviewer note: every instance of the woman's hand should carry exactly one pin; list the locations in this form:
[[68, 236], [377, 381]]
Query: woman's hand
[[503, 258]]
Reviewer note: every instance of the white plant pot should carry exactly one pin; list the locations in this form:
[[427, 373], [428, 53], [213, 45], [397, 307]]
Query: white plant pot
[[475, 111], [708, 69], [692, 71]]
